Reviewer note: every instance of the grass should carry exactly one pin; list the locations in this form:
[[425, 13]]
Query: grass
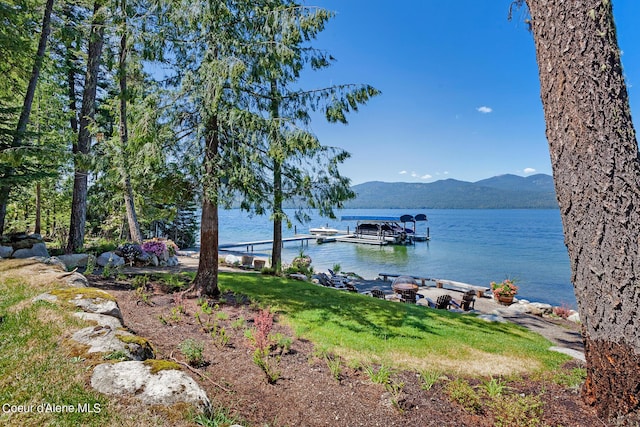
[[369, 330], [42, 381]]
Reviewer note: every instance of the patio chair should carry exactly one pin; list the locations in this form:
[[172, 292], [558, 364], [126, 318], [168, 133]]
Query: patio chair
[[408, 296], [443, 302], [468, 301], [377, 293]]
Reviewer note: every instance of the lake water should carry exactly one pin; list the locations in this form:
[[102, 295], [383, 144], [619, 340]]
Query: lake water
[[473, 246]]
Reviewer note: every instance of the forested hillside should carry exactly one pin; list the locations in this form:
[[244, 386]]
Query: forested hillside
[[500, 192]]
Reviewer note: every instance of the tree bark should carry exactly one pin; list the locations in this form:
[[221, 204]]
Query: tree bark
[[132, 218], [594, 155], [278, 214], [87, 114], [28, 102], [206, 280], [37, 227]]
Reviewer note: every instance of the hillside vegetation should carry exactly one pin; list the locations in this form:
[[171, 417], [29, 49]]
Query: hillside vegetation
[[500, 192]]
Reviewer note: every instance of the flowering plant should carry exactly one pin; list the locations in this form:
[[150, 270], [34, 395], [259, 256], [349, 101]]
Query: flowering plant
[[506, 288], [155, 247]]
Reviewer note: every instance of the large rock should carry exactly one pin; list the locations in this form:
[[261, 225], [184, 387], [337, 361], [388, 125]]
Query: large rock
[[109, 259], [99, 319], [105, 339], [6, 251], [74, 260], [166, 387], [37, 250], [91, 300]]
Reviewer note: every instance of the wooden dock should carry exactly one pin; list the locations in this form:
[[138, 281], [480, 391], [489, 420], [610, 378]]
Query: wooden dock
[[353, 239], [249, 245]]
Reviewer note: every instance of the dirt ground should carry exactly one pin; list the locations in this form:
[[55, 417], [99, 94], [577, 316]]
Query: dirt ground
[[306, 392]]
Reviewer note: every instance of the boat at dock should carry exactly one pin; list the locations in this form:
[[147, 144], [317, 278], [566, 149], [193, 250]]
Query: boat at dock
[[385, 230], [323, 231]]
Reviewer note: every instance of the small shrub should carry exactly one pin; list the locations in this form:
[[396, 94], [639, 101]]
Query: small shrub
[[381, 376], [156, 247], [563, 311], [140, 281], [572, 379], [461, 392], [220, 336], [91, 264], [334, 365], [494, 388], [218, 417], [336, 268], [517, 411], [192, 350], [428, 378], [239, 323]]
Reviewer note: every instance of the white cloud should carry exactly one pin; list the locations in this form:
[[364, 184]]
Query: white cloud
[[484, 109], [427, 176], [529, 170], [402, 172], [414, 175]]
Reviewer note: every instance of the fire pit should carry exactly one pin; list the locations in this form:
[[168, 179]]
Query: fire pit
[[404, 283]]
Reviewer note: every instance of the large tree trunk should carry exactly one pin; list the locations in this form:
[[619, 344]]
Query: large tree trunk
[[132, 218], [278, 214], [28, 102], [594, 155], [206, 280], [87, 114], [37, 227]]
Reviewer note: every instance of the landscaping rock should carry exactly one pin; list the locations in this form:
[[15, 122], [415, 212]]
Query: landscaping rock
[[109, 259], [6, 251], [172, 261], [77, 280], [100, 319], [165, 387], [105, 339], [37, 250], [154, 260], [574, 317], [74, 260], [90, 300]]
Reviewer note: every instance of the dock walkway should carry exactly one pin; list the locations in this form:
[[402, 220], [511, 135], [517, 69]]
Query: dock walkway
[[249, 245]]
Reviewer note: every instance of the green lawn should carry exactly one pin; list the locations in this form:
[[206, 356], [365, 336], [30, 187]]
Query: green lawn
[[368, 330]]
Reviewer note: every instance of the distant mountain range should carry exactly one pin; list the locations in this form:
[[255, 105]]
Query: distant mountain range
[[499, 192]]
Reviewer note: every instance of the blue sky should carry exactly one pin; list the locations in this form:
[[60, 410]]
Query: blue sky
[[460, 90]]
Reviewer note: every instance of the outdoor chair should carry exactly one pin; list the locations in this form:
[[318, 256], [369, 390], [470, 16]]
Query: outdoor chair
[[443, 302], [408, 296], [468, 301], [377, 293]]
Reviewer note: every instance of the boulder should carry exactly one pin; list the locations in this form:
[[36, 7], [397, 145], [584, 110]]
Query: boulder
[[154, 260], [172, 261], [55, 261], [77, 280], [574, 317], [144, 257], [109, 259], [91, 300], [36, 250], [232, 259], [74, 260], [540, 308], [105, 339], [5, 251], [166, 387], [99, 319]]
